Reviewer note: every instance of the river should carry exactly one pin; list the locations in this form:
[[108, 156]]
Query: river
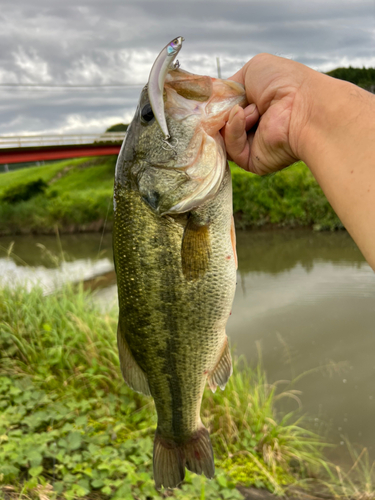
[[304, 300]]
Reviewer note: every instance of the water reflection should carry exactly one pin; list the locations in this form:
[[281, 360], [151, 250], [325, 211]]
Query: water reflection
[[28, 250], [277, 251], [308, 300], [50, 261]]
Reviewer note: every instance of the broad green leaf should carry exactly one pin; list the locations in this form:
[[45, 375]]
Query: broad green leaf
[[74, 440], [35, 471]]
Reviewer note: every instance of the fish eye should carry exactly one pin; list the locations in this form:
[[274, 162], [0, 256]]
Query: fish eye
[[147, 114]]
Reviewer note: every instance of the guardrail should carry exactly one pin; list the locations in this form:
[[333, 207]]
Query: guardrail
[[23, 148], [29, 141]]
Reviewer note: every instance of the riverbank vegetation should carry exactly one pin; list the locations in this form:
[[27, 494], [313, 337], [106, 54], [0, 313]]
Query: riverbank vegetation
[[71, 428], [76, 195], [289, 198], [363, 77]]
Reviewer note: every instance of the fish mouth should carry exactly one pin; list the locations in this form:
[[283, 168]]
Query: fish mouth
[[226, 94], [217, 97], [200, 105], [211, 98]]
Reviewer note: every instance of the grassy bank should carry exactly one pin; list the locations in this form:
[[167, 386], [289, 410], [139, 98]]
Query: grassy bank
[[289, 198], [77, 196], [71, 428], [69, 425]]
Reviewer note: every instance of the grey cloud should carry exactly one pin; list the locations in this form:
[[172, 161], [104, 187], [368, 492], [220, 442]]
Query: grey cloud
[[96, 42]]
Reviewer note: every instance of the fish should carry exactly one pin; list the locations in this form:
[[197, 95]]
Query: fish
[[175, 259]]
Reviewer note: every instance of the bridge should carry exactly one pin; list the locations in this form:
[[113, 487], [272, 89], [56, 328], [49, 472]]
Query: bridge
[[19, 149]]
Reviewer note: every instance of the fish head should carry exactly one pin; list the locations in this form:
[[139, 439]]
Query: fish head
[[181, 173]]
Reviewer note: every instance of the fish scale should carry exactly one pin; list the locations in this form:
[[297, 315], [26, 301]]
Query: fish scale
[[175, 261], [176, 316]]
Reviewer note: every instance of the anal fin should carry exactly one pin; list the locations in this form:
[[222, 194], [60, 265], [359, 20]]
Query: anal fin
[[195, 250], [133, 375], [219, 376]]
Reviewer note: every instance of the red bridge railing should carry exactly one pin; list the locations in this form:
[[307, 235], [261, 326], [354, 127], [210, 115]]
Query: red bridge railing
[[18, 149]]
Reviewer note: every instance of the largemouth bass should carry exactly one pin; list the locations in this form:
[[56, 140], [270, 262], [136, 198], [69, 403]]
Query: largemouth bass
[[175, 257]]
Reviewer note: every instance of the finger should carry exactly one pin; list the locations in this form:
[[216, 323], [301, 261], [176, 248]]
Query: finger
[[251, 115], [235, 133], [235, 137]]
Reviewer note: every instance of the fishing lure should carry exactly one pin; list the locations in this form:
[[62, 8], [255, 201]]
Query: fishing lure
[[163, 63]]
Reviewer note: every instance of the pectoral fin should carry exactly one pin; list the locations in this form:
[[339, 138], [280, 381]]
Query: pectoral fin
[[222, 371], [133, 375], [195, 250]]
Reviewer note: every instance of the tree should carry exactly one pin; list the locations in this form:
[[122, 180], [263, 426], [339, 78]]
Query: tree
[[119, 127], [363, 77]]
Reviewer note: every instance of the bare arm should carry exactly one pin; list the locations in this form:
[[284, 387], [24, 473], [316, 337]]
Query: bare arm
[[327, 123]]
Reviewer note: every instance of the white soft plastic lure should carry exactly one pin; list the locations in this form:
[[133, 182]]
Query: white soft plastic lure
[[163, 63]]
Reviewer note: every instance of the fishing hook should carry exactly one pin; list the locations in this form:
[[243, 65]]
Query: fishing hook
[[168, 144]]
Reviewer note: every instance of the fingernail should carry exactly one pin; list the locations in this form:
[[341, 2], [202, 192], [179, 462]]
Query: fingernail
[[250, 109]]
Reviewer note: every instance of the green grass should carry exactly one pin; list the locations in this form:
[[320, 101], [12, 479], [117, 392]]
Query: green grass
[[289, 198], [356, 483], [69, 422], [45, 172], [257, 446], [71, 428], [97, 173], [79, 198]]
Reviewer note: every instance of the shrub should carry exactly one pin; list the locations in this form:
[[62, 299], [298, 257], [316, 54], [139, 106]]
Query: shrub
[[119, 127], [289, 198], [25, 191]]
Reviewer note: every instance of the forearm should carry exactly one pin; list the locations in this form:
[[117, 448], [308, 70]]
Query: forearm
[[338, 145]]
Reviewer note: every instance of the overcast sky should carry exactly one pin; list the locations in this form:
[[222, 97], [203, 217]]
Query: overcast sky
[[114, 42]]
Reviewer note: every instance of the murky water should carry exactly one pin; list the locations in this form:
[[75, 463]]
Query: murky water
[[305, 299], [308, 299], [51, 261]]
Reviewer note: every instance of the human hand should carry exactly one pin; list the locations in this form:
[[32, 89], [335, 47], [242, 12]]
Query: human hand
[[264, 137], [328, 123]]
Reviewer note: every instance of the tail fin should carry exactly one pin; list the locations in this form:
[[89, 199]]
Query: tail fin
[[171, 458]]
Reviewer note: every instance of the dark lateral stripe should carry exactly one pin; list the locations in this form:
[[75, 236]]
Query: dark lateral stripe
[[171, 326]]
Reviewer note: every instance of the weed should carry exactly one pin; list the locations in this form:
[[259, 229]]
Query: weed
[[357, 483], [70, 426], [68, 420], [255, 442]]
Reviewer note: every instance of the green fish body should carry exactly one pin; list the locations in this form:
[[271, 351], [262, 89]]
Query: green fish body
[[174, 249]]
